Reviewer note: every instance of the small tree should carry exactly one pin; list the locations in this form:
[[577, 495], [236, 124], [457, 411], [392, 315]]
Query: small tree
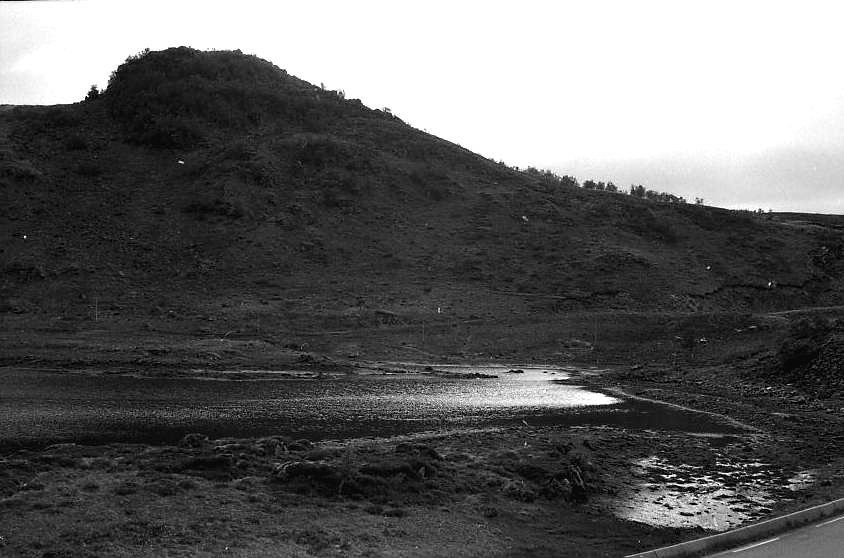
[[637, 191], [93, 93], [569, 181]]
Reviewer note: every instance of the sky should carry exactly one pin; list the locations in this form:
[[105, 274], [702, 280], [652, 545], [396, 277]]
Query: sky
[[738, 102]]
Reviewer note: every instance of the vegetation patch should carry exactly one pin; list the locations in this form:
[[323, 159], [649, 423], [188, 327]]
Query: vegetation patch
[[180, 96]]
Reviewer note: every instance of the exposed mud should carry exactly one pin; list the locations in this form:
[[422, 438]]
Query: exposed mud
[[52, 406], [733, 446], [483, 492], [648, 473]]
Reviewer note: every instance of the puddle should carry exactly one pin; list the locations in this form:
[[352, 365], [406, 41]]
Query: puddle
[[718, 497]]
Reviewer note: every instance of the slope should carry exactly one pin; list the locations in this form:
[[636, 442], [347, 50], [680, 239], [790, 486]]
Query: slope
[[213, 186]]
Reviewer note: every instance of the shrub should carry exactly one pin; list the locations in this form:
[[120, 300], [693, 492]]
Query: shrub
[[93, 94], [173, 98], [550, 178]]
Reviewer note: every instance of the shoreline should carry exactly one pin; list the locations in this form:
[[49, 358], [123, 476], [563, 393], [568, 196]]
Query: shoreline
[[503, 481]]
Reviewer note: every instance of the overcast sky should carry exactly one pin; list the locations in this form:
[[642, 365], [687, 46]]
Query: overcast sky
[[738, 102]]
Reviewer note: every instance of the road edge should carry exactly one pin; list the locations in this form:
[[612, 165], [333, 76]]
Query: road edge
[[745, 534]]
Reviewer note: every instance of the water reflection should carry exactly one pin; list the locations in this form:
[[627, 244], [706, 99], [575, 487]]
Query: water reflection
[[720, 497], [38, 407]]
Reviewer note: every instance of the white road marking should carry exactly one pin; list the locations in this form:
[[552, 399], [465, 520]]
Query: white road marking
[[755, 545], [830, 521]]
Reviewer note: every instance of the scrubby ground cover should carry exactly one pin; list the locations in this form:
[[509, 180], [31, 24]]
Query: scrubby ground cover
[[497, 491], [473, 493]]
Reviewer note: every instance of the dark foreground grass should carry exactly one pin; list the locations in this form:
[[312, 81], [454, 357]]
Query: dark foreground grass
[[474, 493]]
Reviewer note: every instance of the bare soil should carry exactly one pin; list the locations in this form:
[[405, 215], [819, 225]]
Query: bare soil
[[504, 491]]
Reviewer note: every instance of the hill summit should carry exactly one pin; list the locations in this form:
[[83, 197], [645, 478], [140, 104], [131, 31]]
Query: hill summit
[[214, 188], [181, 96]]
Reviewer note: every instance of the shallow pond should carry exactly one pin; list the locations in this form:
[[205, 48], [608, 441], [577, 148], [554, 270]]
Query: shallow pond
[[41, 407], [719, 497]]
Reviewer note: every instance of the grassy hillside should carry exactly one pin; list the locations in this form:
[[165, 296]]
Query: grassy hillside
[[214, 187]]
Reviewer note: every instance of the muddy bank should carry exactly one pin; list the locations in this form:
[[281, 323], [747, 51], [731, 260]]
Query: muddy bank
[[497, 491], [43, 407], [503, 491], [796, 431], [511, 491]]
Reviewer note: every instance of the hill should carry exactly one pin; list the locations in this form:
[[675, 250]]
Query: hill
[[215, 190], [209, 216]]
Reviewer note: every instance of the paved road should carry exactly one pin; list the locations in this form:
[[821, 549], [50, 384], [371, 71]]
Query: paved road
[[821, 540]]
